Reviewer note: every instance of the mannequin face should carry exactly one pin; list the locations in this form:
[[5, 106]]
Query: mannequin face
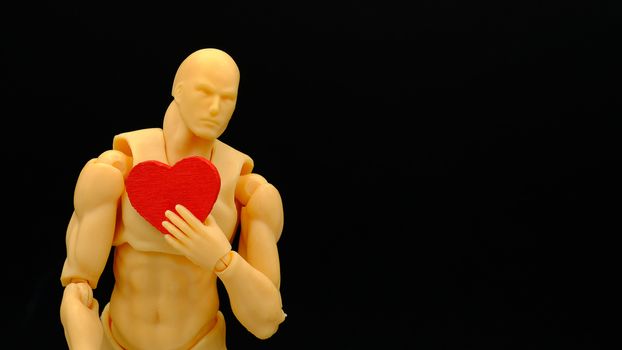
[[206, 97]]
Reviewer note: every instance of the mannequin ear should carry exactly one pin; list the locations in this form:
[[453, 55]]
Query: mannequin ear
[[177, 91]]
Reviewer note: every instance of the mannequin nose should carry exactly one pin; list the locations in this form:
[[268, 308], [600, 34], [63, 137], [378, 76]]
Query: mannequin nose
[[214, 108]]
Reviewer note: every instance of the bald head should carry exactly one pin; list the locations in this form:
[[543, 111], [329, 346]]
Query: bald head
[[211, 62], [205, 92]]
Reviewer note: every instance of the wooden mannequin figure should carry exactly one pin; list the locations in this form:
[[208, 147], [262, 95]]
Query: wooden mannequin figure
[[165, 292]]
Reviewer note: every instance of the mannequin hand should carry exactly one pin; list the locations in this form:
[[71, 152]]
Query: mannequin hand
[[203, 244]]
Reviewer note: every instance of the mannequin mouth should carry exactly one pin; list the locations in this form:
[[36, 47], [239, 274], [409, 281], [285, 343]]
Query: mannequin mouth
[[208, 122]]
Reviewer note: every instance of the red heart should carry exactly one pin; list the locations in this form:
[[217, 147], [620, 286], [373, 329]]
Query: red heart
[[154, 187]]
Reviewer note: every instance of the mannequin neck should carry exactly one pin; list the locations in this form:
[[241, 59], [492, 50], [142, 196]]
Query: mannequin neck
[[179, 141]]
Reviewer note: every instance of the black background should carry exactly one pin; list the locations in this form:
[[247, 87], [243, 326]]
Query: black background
[[448, 168]]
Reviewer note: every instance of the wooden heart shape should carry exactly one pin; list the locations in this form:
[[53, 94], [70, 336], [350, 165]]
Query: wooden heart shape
[[154, 187]]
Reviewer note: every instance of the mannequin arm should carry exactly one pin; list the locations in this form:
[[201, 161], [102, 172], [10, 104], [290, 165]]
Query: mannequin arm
[[89, 240], [252, 277]]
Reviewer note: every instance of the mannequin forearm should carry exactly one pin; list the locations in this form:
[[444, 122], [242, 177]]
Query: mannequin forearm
[[255, 300], [79, 314]]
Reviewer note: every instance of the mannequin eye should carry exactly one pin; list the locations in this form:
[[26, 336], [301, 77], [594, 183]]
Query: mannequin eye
[[205, 90]]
